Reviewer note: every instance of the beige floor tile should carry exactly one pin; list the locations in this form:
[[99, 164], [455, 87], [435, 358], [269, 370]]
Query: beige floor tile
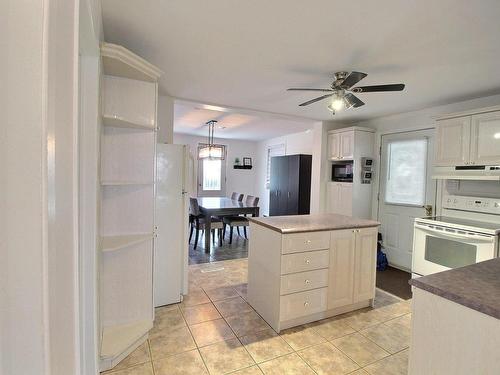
[[290, 364], [363, 318], [221, 293], [254, 370], [187, 363], [265, 345], [360, 349], [402, 323], [195, 297], [396, 364], [301, 337], [326, 359], [166, 320], [332, 328], [142, 369], [242, 290], [233, 306], [387, 338], [172, 342], [394, 310], [200, 313], [226, 356], [211, 332], [160, 310], [359, 372], [247, 323], [139, 355]]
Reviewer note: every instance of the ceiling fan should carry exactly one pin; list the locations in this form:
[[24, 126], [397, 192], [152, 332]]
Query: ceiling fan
[[342, 83]]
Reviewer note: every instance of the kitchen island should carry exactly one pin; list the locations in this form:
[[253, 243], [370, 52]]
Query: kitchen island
[[309, 267], [456, 321]]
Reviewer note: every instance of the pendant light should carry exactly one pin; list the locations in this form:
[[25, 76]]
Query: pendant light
[[211, 150]]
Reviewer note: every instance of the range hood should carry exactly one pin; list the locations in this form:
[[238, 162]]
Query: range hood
[[468, 172]]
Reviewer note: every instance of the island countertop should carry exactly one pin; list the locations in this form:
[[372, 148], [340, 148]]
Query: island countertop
[[312, 223], [476, 286]]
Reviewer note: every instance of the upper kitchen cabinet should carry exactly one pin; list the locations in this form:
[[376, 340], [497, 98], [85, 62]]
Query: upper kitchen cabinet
[[347, 143], [485, 139], [471, 139], [452, 141]]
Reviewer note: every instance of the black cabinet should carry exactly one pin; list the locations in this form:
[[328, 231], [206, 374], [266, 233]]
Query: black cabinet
[[290, 185]]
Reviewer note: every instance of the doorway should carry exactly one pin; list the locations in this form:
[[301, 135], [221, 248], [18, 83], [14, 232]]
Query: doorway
[[406, 190], [212, 177]]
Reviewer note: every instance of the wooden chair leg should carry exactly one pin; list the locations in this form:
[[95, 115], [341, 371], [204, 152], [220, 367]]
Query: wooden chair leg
[[238, 230], [231, 234], [245, 232], [224, 230], [220, 236], [191, 233], [213, 236], [196, 236]]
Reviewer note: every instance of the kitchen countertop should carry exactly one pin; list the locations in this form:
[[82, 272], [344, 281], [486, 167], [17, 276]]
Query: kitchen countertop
[[312, 223], [476, 286]]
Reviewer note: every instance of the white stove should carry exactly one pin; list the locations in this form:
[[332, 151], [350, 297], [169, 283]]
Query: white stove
[[467, 233]]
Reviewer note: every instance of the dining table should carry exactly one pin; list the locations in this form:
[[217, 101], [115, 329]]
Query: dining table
[[222, 206]]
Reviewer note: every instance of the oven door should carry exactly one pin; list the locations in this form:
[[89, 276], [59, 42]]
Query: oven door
[[439, 248]]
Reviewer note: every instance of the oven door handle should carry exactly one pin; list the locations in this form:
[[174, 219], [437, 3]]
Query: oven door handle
[[469, 237]]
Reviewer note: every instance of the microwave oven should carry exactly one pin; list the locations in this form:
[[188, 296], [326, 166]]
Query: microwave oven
[[342, 172]]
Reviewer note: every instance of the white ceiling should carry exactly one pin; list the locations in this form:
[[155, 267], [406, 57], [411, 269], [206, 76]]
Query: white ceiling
[[191, 118], [245, 54]]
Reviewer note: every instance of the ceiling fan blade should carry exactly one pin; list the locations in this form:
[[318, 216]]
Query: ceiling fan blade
[[354, 100], [352, 79], [379, 88], [315, 100], [300, 89]]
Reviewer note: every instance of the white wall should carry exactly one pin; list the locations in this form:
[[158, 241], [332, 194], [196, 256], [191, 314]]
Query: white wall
[[422, 119], [39, 197], [165, 119], [239, 180], [297, 143]]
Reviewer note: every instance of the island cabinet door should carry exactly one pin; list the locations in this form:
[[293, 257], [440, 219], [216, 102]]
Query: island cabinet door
[[341, 272], [365, 264]]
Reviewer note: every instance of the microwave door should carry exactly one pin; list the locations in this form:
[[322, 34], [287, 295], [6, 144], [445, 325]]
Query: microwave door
[[438, 250]]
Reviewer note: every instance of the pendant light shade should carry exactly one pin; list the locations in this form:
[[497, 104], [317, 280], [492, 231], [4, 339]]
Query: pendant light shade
[[210, 150]]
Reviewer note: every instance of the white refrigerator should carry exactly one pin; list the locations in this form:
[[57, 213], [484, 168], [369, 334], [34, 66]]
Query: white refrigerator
[[173, 181]]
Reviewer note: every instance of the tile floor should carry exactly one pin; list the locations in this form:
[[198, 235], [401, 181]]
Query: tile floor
[[214, 331]]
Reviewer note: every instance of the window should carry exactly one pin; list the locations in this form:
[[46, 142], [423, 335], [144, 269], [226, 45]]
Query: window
[[406, 172], [275, 150], [212, 174]]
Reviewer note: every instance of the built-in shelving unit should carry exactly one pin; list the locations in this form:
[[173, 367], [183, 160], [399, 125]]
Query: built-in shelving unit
[[128, 141]]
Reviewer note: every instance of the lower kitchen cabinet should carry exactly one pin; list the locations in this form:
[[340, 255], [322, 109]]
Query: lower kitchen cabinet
[[298, 278]]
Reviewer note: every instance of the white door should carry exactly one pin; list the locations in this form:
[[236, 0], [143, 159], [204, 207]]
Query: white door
[[452, 141], [347, 145], [339, 198], [406, 187], [485, 139], [211, 178], [171, 219]]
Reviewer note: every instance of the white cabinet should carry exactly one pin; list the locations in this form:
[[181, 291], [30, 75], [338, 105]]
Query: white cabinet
[[340, 198], [468, 140], [352, 266], [485, 139], [341, 145], [452, 141], [299, 278]]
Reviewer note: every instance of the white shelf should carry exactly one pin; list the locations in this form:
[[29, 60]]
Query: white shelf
[[112, 243], [120, 62], [119, 122], [120, 339], [125, 183]]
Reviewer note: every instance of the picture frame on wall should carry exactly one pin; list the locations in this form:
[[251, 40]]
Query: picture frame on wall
[[247, 162]]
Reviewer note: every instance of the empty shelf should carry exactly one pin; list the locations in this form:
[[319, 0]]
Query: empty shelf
[[112, 243]]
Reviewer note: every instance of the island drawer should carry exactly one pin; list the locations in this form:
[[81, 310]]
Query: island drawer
[[299, 282], [308, 261], [299, 242], [301, 304]]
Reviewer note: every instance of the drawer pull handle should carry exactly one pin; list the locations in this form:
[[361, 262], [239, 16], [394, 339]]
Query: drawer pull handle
[[307, 281], [308, 261], [306, 304]]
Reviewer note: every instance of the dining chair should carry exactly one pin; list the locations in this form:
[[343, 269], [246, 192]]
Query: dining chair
[[239, 221], [237, 196], [197, 222]]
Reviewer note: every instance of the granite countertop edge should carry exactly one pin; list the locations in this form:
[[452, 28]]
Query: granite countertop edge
[[459, 296]]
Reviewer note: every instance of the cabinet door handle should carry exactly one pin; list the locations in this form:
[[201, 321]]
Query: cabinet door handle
[[288, 194], [306, 304], [308, 261], [307, 281]]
